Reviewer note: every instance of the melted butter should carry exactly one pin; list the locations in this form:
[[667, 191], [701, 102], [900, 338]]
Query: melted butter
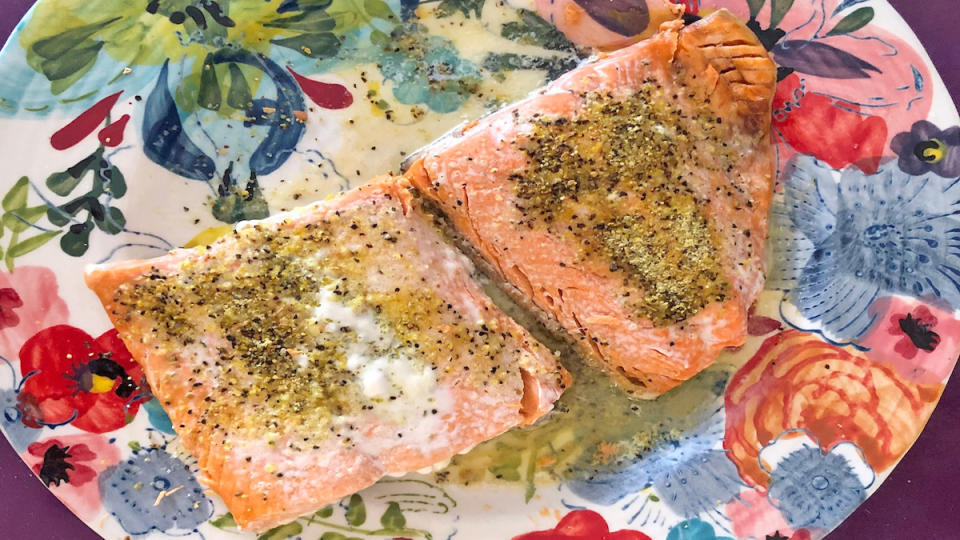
[[286, 322], [596, 426], [614, 180]]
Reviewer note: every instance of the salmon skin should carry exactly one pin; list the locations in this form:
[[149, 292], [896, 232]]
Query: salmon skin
[[303, 357], [627, 202]]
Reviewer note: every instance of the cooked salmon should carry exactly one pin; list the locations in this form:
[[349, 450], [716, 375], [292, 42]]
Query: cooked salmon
[[627, 201], [303, 357]]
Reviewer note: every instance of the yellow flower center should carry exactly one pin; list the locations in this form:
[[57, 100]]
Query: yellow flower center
[[100, 384], [932, 151]]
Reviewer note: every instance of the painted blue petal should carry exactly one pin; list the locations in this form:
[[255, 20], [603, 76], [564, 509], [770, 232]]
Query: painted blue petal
[[815, 490], [130, 489], [285, 130], [164, 140], [158, 417], [838, 245], [690, 475], [256, 115]]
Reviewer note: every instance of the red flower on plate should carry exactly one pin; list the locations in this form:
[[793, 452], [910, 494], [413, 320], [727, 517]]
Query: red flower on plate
[[70, 377], [69, 467], [800, 117], [62, 463], [583, 525]]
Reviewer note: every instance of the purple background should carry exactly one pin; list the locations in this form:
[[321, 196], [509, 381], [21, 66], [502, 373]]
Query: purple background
[[918, 501]]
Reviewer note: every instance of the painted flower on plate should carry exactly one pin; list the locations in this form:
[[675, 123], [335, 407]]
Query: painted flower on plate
[[854, 137], [69, 466], [29, 302], [796, 380], [689, 476], [71, 377], [927, 148], [154, 491], [752, 516], [812, 487], [426, 69], [583, 525], [694, 529], [839, 244], [920, 340]]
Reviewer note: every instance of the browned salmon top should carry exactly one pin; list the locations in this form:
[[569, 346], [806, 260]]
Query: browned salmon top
[[628, 199]]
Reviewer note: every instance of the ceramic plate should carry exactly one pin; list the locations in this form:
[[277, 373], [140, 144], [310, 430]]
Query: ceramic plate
[[129, 128]]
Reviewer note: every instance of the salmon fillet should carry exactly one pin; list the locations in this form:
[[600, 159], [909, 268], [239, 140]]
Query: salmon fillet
[[628, 200], [305, 356]]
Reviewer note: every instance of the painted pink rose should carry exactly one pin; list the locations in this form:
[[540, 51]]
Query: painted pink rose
[[69, 466], [28, 303], [919, 340]]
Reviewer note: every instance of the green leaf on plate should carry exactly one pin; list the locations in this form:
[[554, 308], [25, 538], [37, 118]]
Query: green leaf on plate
[[755, 7], [532, 29], [77, 240], [853, 22], [116, 183], [393, 518], [778, 10], [16, 198], [20, 220], [225, 521], [378, 9], [308, 21], [284, 531], [209, 96], [59, 44], [449, 7], [321, 45], [113, 222], [324, 512], [23, 247], [239, 96], [356, 511], [64, 66], [62, 183]]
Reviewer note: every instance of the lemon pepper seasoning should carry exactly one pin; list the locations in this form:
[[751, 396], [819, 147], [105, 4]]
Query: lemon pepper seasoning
[[613, 179], [257, 309]]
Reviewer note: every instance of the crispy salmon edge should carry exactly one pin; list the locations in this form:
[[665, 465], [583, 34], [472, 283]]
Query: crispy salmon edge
[[756, 102]]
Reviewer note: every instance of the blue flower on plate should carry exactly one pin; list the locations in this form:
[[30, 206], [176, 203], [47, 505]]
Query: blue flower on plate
[[694, 529], [839, 244], [426, 69], [813, 488], [690, 475], [154, 491]]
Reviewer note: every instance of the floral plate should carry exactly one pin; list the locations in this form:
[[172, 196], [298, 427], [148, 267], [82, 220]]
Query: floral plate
[[162, 122]]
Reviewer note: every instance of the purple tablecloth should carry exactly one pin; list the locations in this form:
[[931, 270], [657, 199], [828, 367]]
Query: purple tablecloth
[[916, 502]]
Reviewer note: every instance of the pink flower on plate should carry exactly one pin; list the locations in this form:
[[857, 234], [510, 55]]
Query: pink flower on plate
[[69, 466], [918, 339], [28, 303], [752, 516]]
